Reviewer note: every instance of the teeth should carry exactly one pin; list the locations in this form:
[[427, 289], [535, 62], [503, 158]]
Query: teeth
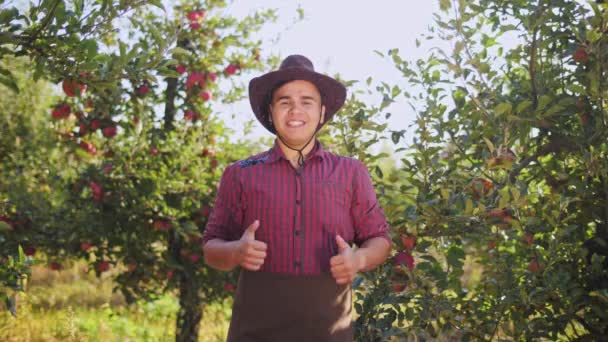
[[295, 123]]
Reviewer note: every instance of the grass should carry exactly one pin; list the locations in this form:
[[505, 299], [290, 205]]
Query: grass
[[72, 305]]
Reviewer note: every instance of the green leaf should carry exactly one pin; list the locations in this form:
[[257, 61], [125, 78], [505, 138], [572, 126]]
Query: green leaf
[[395, 136], [90, 46], [455, 256], [4, 227], [10, 304], [543, 102], [490, 145], [8, 15], [503, 108], [9, 82], [523, 105], [157, 3], [445, 5], [379, 172]]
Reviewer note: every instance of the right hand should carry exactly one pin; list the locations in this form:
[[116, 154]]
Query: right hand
[[251, 253]]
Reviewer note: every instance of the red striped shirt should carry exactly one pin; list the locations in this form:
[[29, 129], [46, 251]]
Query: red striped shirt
[[300, 211]]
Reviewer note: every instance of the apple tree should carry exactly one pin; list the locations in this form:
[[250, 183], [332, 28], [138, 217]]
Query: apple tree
[[504, 224], [144, 140]]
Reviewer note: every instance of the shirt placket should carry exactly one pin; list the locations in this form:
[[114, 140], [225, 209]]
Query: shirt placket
[[298, 231]]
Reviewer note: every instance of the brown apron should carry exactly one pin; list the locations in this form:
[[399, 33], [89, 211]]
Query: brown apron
[[272, 307]]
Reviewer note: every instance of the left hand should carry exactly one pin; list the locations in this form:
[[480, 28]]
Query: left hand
[[346, 264]]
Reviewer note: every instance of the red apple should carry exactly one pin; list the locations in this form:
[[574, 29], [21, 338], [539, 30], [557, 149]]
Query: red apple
[[55, 266], [29, 250], [82, 128], [131, 267], [72, 87], [162, 225], [103, 266], [409, 241], [580, 55], [169, 275], [180, 69], [404, 258], [194, 258], [534, 266], [399, 287], [196, 15], [195, 25], [231, 69], [195, 78], [206, 95], [212, 76], [8, 221], [89, 147], [107, 168], [529, 238], [109, 132], [154, 151], [95, 124], [190, 115], [85, 246], [61, 111], [229, 287], [213, 163], [96, 191], [207, 153], [143, 89]]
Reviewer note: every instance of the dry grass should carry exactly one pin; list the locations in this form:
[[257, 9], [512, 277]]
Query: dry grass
[[73, 305]]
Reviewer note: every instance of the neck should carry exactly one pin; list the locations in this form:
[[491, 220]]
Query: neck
[[293, 155]]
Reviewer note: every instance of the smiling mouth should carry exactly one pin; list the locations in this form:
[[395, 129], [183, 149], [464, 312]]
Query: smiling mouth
[[295, 123]]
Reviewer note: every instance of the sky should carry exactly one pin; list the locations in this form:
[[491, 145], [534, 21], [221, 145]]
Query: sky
[[340, 36]]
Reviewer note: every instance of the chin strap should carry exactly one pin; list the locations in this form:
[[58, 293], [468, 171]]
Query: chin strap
[[300, 154]]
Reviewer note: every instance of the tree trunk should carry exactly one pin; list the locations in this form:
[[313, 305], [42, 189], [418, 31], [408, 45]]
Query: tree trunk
[[190, 314]]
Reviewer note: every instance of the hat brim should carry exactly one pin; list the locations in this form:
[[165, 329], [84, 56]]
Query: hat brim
[[333, 93]]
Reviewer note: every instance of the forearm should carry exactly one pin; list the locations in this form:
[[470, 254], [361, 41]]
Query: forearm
[[220, 254], [372, 253]]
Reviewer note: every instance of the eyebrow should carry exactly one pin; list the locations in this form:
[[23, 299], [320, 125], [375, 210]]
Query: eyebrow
[[305, 97]]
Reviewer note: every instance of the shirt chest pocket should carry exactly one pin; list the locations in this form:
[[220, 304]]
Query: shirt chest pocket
[[333, 202]]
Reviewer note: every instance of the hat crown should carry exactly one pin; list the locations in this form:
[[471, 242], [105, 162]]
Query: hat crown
[[297, 61]]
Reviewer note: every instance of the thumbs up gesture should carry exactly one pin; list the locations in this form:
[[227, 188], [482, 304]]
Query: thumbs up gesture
[[346, 264], [250, 253]]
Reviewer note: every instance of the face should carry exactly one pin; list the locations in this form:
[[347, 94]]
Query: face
[[296, 111]]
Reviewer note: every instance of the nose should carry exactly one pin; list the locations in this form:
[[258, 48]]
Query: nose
[[296, 108]]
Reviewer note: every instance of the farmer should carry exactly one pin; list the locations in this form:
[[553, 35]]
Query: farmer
[[289, 217]]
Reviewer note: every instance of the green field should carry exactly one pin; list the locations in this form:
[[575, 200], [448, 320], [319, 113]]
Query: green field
[[72, 305]]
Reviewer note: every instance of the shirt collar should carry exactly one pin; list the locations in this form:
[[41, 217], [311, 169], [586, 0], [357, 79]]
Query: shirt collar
[[275, 153]]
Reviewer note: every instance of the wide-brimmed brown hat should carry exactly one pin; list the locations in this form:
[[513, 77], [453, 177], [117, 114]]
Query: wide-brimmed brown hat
[[294, 67]]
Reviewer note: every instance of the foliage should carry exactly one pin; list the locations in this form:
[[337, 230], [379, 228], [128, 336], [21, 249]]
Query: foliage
[[507, 174], [141, 145]]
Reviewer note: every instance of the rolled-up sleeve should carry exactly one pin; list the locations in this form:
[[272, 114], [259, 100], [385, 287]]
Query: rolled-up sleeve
[[225, 218], [367, 215]]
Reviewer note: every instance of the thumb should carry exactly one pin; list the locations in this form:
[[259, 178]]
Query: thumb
[[250, 231], [342, 245]]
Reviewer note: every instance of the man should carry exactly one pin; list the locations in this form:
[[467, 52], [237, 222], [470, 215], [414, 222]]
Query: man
[[288, 217]]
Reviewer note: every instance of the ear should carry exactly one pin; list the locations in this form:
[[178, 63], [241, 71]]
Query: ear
[[322, 114]]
